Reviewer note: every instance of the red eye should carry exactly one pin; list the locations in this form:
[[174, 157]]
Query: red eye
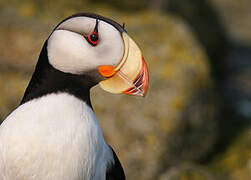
[[93, 38]]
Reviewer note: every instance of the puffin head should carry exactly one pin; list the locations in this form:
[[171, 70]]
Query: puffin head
[[89, 44]]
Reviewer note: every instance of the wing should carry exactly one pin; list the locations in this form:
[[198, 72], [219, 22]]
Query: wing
[[115, 170]]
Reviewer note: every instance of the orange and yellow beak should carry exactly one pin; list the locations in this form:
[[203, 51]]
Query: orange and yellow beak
[[130, 76]]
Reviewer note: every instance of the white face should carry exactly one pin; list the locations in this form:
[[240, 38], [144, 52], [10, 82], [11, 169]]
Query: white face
[[70, 52]]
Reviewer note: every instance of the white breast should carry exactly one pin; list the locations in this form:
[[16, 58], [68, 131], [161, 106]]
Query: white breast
[[55, 137]]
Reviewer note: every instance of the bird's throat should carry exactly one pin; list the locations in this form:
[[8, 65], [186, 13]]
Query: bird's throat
[[47, 80]]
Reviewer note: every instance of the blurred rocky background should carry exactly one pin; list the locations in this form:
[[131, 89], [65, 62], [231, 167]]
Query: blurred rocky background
[[195, 122]]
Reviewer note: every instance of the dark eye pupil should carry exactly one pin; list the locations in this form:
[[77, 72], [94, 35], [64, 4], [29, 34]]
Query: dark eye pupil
[[94, 37]]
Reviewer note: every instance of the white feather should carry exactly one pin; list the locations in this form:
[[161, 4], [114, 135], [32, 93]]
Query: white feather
[[56, 137]]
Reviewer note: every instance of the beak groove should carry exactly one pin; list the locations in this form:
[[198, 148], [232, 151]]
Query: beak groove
[[140, 85]]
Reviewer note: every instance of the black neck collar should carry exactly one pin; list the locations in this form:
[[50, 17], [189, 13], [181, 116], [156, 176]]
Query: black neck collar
[[47, 80]]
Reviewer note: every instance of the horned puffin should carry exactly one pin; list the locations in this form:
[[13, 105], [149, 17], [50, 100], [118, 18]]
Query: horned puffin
[[54, 134]]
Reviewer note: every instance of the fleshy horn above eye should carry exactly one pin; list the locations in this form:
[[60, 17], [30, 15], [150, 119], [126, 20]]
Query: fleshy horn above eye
[[96, 26], [93, 38]]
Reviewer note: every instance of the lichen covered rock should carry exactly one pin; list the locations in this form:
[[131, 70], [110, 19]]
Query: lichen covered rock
[[235, 163]]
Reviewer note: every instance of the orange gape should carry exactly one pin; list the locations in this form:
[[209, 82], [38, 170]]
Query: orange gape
[[106, 71]]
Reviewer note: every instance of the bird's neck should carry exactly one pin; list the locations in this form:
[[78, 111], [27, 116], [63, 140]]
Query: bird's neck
[[47, 80]]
